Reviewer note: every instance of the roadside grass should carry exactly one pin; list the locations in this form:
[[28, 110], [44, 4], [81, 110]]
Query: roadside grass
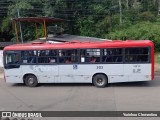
[[157, 63], [157, 58]]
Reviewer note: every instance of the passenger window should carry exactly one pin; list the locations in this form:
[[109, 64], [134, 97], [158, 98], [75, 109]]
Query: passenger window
[[47, 56], [90, 55], [28, 57], [112, 55], [136, 55], [68, 56]]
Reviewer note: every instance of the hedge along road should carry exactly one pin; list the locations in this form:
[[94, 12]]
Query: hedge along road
[[135, 96]]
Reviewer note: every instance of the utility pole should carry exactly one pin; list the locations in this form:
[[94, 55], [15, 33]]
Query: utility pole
[[127, 3], [20, 26], [158, 7], [120, 13]]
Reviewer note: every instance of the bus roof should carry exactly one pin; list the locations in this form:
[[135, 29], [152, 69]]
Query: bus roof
[[80, 45]]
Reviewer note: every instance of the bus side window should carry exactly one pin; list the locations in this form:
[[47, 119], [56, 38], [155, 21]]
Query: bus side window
[[43, 56], [68, 56], [137, 54], [112, 55], [52, 56], [28, 57]]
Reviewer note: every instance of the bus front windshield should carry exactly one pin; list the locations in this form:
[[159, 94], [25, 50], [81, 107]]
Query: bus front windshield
[[12, 59]]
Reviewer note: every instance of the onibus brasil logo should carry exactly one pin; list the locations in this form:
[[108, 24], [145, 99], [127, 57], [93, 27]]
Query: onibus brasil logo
[[8, 115]]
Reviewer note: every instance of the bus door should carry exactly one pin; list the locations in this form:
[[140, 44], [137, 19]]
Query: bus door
[[12, 67]]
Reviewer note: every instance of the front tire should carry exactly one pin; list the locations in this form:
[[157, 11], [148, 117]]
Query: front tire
[[100, 80], [31, 81]]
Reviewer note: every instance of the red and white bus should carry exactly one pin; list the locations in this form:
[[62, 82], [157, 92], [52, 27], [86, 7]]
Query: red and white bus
[[99, 63]]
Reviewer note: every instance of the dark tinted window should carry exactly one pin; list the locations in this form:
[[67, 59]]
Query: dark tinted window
[[136, 55], [90, 55], [47, 56], [112, 55], [68, 56], [28, 57]]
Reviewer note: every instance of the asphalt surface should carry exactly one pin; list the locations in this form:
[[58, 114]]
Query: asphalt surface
[[135, 96]]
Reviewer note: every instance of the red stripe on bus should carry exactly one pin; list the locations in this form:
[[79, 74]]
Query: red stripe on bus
[[81, 45]]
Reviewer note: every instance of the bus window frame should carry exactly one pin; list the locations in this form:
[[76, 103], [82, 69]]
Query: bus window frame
[[112, 62], [29, 56], [100, 62], [50, 63], [138, 62], [79, 56], [64, 63]]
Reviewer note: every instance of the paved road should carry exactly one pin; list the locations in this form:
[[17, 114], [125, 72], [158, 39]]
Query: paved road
[[137, 96]]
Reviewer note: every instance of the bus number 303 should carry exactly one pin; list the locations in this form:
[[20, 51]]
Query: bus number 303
[[99, 67]]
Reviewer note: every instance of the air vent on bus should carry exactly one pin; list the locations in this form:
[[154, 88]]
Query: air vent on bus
[[37, 42]]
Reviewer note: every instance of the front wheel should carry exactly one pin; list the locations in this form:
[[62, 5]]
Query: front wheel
[[31, 81], [100, 80]]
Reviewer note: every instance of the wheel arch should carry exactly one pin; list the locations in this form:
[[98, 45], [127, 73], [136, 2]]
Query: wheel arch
[[25, 75], [100, 73]]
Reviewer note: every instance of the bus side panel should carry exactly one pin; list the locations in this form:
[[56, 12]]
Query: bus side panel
[[13, 75], [115, 73], [74, 74], [44, 73], [138, 72], [83, 73]]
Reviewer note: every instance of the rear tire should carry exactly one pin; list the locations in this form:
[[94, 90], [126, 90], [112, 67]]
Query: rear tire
[[31, 81], [100, 80]]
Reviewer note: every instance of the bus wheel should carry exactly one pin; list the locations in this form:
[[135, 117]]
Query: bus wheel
[[31, 81], [100, 80]]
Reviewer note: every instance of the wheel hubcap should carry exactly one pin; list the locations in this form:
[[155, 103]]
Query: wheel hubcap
[[30, 81], [100, 81]]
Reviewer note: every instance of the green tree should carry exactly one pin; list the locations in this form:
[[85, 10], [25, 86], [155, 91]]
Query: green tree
[[140, 31]]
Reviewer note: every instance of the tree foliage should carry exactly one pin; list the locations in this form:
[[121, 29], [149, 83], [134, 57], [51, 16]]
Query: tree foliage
[[114, 19], [142, 30]]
